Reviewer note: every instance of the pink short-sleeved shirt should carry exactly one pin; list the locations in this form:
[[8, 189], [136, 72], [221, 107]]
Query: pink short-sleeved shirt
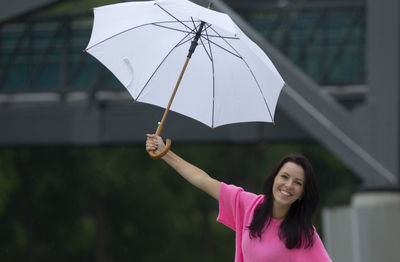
[[236, 209]]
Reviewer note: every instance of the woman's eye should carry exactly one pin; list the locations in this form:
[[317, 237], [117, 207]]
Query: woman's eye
[[299, 183], [284, 176]]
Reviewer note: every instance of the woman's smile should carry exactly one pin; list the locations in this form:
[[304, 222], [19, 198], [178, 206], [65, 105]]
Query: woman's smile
[[285, 194]]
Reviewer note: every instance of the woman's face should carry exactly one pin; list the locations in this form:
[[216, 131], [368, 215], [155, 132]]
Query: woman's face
[[288, 184]]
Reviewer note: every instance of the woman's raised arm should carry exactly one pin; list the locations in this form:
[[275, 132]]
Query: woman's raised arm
[[191, 173]]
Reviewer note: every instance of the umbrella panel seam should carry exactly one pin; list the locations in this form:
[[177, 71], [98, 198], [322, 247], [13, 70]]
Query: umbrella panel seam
[[213, 72], [255, 79]]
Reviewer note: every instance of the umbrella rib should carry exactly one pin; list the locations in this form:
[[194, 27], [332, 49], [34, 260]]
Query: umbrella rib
[[135, 27], [219, 36], [223, 48], [185, 41], [172, 49], [205, 28], [173, 16], [195, 27], [202, 43], [174, 29], [226, 37], [255, 79], [223, 38], [108, 38]]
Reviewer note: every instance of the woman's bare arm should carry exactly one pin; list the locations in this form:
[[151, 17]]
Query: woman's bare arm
[[191, 173]]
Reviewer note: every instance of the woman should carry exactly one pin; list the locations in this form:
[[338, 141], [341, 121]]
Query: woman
[[275, 226]]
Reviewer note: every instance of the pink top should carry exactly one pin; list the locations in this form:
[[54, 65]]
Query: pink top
[[236, 209]]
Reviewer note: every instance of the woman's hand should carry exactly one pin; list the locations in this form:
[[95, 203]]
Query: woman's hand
[[154, 143]]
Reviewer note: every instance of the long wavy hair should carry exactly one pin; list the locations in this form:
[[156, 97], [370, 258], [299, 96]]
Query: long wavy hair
[[296, 230]]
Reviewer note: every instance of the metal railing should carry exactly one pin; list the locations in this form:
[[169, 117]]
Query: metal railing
[[45, 54]]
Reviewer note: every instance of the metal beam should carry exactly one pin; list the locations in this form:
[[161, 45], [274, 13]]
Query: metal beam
[[12, 9], [381, 115], [113, 118]]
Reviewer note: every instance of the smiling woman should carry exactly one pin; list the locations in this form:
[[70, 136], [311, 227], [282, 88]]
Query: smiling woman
[[292, 187], [274, 226]]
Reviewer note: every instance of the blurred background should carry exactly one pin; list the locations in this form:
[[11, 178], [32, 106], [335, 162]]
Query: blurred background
[[77, 185]]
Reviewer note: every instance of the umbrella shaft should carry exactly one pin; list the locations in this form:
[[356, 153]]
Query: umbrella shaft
[[161, 124], [191, 51]]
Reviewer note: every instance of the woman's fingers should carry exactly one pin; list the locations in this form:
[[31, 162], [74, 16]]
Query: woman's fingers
[[151, 142], [154, 143]]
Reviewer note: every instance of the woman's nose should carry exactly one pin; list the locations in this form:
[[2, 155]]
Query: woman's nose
[[289, 184]]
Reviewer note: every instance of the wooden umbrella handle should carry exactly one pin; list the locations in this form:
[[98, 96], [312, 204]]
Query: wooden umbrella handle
[[167, 142], [158, 133]]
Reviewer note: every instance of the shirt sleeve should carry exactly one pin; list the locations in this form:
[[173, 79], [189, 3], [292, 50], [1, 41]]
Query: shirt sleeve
[[317, 253], [234, 202]]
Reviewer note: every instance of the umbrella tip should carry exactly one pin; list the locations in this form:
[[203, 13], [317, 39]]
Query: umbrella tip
[[134, 101], [273, 123], [84, 51]]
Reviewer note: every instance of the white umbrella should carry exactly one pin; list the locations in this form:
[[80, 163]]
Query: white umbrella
[[144, 44]]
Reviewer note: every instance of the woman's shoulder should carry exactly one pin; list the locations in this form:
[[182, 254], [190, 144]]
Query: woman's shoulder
[[235, 205], [234, 192]]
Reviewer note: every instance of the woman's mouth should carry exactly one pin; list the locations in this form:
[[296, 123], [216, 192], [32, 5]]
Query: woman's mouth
[[285, 193]]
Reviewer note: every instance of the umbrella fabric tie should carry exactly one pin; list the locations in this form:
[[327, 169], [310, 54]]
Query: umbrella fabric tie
[[195, 40]]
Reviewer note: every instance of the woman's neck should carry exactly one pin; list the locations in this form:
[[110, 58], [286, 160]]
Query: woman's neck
[[279, 212]]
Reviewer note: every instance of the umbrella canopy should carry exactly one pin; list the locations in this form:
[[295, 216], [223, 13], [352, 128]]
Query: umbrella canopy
[[144, 44]]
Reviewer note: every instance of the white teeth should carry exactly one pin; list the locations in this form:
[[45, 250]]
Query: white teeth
[[285, 193]]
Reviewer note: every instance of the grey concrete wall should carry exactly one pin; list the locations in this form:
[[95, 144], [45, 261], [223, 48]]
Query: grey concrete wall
[[337, 233], [366, 231]]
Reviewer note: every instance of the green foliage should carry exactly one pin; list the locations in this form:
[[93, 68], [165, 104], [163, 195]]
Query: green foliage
[[115, 203]]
